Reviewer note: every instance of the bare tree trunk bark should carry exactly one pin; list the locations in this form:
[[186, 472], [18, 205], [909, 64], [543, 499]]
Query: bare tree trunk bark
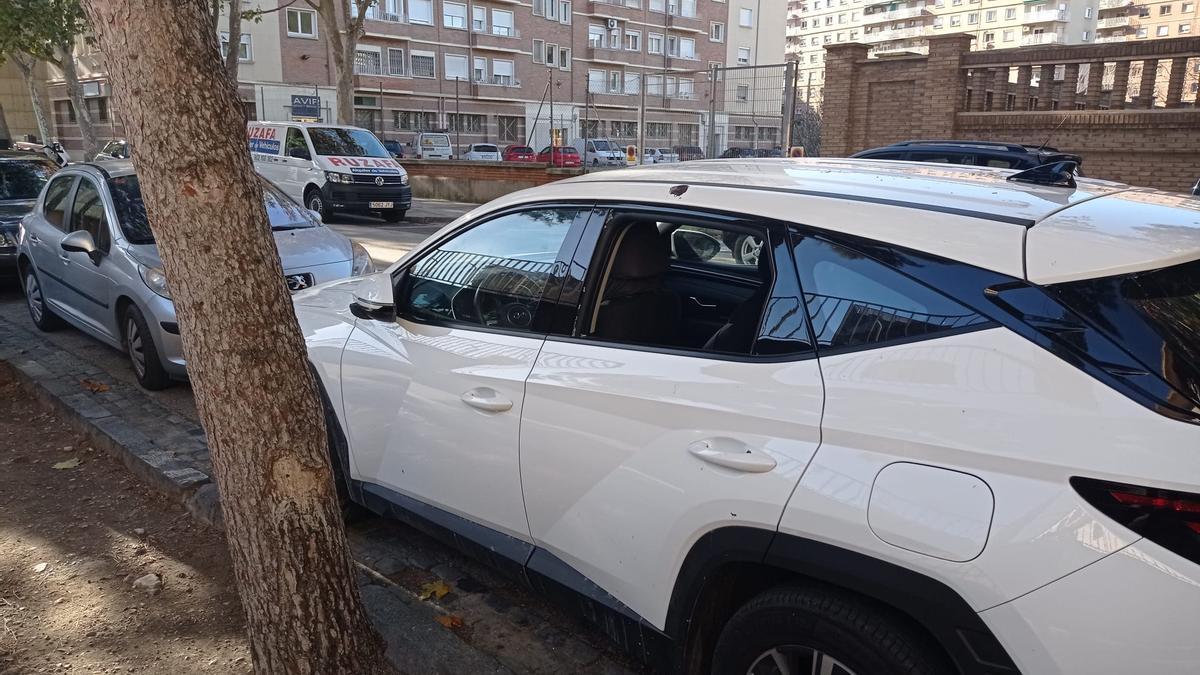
[[246, 357], [233, 57], [342, 32], [66, 56], [5, 135], [39, 113]]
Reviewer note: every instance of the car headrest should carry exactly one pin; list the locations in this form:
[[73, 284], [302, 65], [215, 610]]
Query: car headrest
[[642, 253]]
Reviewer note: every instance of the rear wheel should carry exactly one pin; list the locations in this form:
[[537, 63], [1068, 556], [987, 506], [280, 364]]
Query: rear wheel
[[789, 631], [143, 354], [42, 317], [314, 201]]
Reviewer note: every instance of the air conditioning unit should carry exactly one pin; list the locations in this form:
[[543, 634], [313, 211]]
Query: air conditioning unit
[[612, 23]]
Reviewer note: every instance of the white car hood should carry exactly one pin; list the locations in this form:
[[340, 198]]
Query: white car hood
[[298, 249]]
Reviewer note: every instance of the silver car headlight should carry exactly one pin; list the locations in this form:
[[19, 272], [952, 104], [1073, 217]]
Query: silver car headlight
[[362, 261], [156, 280]]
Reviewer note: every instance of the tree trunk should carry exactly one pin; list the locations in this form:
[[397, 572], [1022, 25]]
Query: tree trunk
[[343, 42], [66, 56], [246, 357], [39, 113], [233, 57], [6, 138]]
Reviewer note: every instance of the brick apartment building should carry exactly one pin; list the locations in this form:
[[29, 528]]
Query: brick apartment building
[[505, 71]]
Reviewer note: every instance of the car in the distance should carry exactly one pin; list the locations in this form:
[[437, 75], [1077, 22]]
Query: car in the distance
[[688, 153], [972, 153], [395, 148], [660, 156], [115, 149], [519, 153], [87, 257], [561, 156], [432, 145], [482, 152], [22, 177]]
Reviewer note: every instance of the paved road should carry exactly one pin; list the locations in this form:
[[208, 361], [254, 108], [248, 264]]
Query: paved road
[[387, 243]]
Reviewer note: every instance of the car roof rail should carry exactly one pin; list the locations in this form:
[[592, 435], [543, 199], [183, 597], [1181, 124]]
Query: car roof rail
[[1014, 147], [1055, 174]]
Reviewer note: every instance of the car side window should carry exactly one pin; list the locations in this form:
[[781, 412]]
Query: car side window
[[54, 209], [295, 139], [87, 213], [856, 302], [498, 274]]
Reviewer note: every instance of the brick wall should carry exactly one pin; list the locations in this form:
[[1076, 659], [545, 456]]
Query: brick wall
[[1145, 133], [477, 182]]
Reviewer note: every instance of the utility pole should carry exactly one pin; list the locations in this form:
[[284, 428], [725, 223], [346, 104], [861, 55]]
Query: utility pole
[[457, 119], [550, 77], [641, 122], [587, 98], [712, 115], [789, 107]]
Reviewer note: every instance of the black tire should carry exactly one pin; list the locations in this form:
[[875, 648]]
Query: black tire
[[393, 215], [804, 623], [314, 201], [35, 302], [141, 350]]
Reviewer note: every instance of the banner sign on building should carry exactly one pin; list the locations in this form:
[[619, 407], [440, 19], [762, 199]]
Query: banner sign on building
[[306, 105]]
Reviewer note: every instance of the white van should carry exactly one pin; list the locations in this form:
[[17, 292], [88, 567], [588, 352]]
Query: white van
[[599, 152], [432, 145], [330, 168]]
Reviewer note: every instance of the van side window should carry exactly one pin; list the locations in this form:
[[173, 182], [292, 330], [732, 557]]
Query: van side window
[[295, 139]]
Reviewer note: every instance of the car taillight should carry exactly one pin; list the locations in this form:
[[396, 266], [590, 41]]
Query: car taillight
[[1168, 518]]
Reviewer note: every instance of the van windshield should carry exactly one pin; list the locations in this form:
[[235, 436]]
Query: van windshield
[[601, 146], [329, 141], [1154, 315]]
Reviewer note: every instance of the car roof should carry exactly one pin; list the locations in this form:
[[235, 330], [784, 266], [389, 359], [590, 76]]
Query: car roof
[[14, 155], [964, 213]]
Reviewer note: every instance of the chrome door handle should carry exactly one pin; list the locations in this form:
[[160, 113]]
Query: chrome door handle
[[486, 399], [732, 454], [701, 304]]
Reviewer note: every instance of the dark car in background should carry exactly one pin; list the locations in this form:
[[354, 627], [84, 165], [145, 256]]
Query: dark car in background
[[688, 153], [972, 153], [394, 148], [22, 177]]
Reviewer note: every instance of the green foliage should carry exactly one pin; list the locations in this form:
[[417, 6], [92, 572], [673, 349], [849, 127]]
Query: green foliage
[[38, 27]]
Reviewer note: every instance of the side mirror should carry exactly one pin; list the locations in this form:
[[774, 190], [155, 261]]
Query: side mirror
[[299, 153], [694, 246], [80, 241], [374, 298]]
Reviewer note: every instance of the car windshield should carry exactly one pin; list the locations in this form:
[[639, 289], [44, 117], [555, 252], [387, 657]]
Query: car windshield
[[329, 141], [1155, 315], [23, 179], [282, 212], [601, 146]]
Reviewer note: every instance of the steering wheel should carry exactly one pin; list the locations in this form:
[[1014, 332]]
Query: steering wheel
[[508, 313]]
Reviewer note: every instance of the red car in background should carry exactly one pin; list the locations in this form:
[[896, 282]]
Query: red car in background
[[563, 156], [519, 153]]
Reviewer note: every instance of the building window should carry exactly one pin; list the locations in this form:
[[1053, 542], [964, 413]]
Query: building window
[[396, 62], [812, 58], [510, 128], [1142, 32], [98, 107], [616, 79], [596, 37], [1187, 7], [743, 55], [937, 22], [539, 51], [564, 58], [405, 120], [658, 129], [623, 129], [990, 16], [1163, 31], [244, 53], [467, 123], [1164, 10], [564, 12], [420, 11], [1143, 11], [454, 15], [687, 48], [973, 18], [1010, 13], [654, 85], [552, 54], [1087, 12], [503, 73], [716, 31], [989, 37], [743, 92], [479, 72], [654, 43], [596, 81], [456, 67], [633, 83], [687, 88], [502, 23], [1008, 36], [423, 64], [1185, 28], [479, 19], [368, 62], [956, 20], [301, 23], [746, 18], [633, 40]]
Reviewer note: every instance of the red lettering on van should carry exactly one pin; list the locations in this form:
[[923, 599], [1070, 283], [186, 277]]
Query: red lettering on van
[[336, 161]]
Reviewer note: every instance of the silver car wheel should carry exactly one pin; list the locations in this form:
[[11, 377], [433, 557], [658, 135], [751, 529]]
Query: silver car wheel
[[33, 296], [797, 660], [750, 249], [314, 203], [133, 342]]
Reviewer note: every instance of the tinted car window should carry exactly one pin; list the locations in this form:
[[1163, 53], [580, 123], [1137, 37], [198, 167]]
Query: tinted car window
[[346, 143], [856, 302], [485, 148], [87, 213], [21, 179], [492, 275], [295, 139], [55, 206]]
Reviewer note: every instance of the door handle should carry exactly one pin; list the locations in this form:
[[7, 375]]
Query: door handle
[[701, 304], [732, 454], [487, 399], [64, 257], [34, 239]]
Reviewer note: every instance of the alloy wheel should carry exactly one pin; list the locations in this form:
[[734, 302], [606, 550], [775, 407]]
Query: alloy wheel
[[749, 250], [33, 297], [133, 342], [797, 660]]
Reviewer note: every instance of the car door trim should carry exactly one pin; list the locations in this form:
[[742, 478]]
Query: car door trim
[[90, 298]]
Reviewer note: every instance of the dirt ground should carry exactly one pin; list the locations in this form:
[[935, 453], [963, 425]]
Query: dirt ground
[[73, 540]]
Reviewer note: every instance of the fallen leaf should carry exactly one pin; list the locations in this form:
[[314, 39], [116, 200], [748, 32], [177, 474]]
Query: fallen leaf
[[449, 621], [68, 464], [93, 386], [434, 589]]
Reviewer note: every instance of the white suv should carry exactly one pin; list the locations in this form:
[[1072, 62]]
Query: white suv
[[947, 421]]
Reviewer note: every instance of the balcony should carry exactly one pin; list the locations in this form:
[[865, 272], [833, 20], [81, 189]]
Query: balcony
[[1045, 16], [632, 4], [486, 86], [896, 15], [897, 34], [1115, 4], [1041, 39], [600, 51], [1111, 38], [500, 38], [899, 49], [1115, 22]]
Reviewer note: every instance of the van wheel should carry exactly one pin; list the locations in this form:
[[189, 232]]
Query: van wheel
[[393, 215], [143, 355], [816, 630], [39, 311], [314, 201]]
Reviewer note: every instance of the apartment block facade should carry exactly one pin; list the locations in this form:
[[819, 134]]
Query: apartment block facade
[[903, 27]]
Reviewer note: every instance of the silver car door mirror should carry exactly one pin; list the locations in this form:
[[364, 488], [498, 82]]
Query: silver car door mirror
[[80, 241], [374, 298]]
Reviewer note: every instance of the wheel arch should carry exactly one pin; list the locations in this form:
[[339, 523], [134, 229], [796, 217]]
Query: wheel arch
[[728, 566]]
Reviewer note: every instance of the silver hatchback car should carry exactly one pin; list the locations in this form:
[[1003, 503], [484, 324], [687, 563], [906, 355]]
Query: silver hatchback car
[[87, 257]]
